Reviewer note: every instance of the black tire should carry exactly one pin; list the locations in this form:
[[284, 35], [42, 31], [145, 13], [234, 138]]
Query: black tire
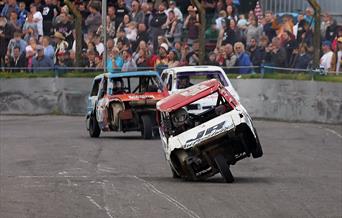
[[146, 131], [174, 174], [94, 129], [156, 133], [223, 167], [257, 151]]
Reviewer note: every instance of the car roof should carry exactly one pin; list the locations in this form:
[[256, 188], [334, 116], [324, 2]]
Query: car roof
[[196, 68], [135, 73], [188, 95]]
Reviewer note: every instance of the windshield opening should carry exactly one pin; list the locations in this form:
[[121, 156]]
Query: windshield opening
[[187, 79]]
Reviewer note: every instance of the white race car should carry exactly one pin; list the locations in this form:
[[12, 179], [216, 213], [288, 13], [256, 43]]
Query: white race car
[[179, 78], [200, 145]]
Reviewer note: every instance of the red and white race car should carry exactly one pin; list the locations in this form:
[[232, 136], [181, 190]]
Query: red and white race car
[[199, 145]]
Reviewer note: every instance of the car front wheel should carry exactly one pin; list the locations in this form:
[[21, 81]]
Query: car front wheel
[[146, 131], [94, 129], [223, 167]]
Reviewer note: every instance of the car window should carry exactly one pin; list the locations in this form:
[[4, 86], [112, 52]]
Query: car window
[[186, 79], [95, 88], [169, 83]]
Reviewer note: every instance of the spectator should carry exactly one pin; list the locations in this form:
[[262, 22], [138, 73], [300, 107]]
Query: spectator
[[243, 59], [227, 35], [289, 43], [141, 61], [128, 64], [17, 61], [156, 23], [111, 22], [124, 24], [142, 45], [41, 62], [84, 13], [91, 60], [93, 20], [221, 20], [338, 56], [275, 54], [17, 41], [121, 11], [98, 63], [49, 12], [66, 27], [173, 28], [30, 28], [331, 31], [61, 44], [137, 14], [326, 59], [178, 14], [193, 56], [231, 15], [37, 18], [255, 53], [14, 21], [162, 59], [131, 32], [192, 24], [301, 58], [147, 14], [141, 36], [114, 61], [299, 29], [173, 59], [99, 45], [22, 14], [253, 30], [10, 6], [48, 49], [269, 25]]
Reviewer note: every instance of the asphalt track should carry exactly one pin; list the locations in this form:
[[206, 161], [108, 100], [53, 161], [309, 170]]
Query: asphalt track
[[51, 168]]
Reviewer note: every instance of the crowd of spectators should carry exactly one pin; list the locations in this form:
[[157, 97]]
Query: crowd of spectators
[[40, 34]]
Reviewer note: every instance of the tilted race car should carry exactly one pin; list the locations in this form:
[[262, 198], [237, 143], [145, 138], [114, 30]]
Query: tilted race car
[[124, 102], [179, 78], [201, 145]]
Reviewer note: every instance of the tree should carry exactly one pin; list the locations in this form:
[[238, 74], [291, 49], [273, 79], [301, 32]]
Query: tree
[[317, 35]]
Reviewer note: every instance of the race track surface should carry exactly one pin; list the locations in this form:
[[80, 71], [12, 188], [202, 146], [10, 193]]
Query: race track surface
[[51, 168]]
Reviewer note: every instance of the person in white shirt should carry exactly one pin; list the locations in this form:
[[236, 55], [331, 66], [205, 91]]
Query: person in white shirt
[[339, 56], [176, 10], [37, 18], [326, 59]]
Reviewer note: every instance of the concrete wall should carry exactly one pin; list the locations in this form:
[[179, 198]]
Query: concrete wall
[[305, 101]]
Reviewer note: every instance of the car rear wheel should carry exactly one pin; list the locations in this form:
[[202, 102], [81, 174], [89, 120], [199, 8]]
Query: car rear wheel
[[257, 151], [174, 174], [146, 131], [224, 169], [94, 129]]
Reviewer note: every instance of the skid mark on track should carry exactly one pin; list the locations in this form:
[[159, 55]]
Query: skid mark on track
[[94, 202], [333, 132], [167, 197]]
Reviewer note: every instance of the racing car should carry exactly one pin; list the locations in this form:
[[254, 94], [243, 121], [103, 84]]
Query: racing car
[[124, 102], [179, 78], [198, 146]]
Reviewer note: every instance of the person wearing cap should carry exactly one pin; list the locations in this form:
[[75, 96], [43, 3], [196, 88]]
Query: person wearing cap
[[326, 59], [192, 24], [61, 44], [41, 62], [173, 7], [66, 27], [162, 58]]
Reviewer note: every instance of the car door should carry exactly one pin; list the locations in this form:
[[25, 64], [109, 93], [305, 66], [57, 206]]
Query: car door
[[101, 109], [167, 80], [92, 98]]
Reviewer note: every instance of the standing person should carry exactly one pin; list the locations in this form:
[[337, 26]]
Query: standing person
[[227, 35], [13, 21], [61, 44], [254, 52], [41, 62], [22, 14], [93, 20], [243, 59], [192, 24], [326, 59], [49, 12], [10, 6], [142, 60], [268, 26], [147, 14], [289, 43], [254, 30], [136, 12], [66, 27], [17, 41], [338, 56], [111, 19], [157, 21], [37, 18], [193, 56], [178, 14], [121, 11], [301, 58], [30, 28], [114, 61], [48, 49]]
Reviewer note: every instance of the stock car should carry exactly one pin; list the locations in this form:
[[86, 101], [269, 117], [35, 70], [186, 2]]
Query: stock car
[[124, 102], [200, 145], [179, 78]]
